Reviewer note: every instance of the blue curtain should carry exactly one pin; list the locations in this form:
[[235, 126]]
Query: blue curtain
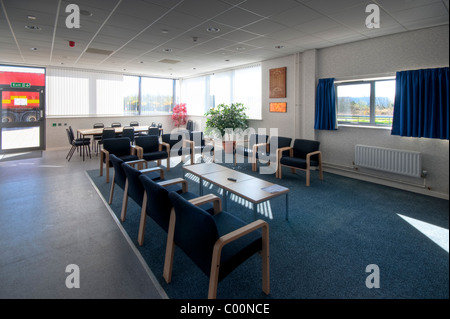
[[421, 107], [325, 105]]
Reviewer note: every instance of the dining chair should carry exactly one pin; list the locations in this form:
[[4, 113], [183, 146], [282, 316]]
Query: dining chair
[[83, 143], [128, 131], [217, 243], [97, 138]]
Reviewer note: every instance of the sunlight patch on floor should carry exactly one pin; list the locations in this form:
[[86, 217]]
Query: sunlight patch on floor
[[437, 234]]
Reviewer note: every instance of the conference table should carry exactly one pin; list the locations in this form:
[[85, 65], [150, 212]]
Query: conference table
[[98, 131], [252, 189]]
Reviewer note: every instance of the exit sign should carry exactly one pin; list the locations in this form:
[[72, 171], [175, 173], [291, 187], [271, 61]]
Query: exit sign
[[20, 85]]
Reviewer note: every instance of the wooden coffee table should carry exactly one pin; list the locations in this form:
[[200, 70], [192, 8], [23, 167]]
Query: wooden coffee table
[[252, 189]]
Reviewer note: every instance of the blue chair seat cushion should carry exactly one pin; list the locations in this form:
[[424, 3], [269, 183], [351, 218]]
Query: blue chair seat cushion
[[296, 162], [236, 252], [155, 155]]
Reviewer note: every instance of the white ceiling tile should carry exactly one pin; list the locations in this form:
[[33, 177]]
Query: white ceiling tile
[[264, 26], [237, 18], [296, 16], [268, 8]]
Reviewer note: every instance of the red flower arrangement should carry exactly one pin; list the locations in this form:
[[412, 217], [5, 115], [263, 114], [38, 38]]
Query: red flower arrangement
[[179, 115]]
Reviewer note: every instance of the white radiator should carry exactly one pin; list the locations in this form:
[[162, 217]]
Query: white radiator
[[389, 160]]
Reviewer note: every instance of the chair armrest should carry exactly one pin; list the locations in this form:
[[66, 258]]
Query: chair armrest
[[184, 185], [153, 169], [282, 149], [139, 161], [167, 146], [139, 151], [244, 230], [256, 146], [217, 202], [308, 156]]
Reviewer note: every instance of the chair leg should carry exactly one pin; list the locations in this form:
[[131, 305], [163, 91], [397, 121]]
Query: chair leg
[[143, 220], [170, 248], [111, 192], [123, 213]]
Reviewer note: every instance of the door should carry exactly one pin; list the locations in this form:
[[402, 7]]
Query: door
[[22, 128]]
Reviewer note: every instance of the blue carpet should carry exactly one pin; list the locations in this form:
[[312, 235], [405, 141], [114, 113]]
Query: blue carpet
[[336, 228]]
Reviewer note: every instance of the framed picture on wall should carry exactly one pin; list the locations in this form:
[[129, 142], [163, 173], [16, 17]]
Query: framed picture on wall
[[278, 107], [277, 82]]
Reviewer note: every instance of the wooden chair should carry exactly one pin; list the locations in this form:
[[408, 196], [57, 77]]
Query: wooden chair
[[197, 144], [256, 143], [133, 186], [150, 148], [216, 243], [119, 146], [269, 151], [303, 155], [156, 202]]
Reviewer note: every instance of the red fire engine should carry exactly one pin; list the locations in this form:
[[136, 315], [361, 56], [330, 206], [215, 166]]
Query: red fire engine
[[20, 94]]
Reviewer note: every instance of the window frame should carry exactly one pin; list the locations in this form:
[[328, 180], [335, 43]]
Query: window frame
[[372, 101]]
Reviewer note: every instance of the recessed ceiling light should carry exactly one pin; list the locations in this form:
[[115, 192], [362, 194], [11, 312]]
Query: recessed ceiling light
[[227, 60], [32, 27], [86, 13], [165, 31], [33, 49], [279, 46], [30, 17], [167, 50], [213, 29], [240, 48]]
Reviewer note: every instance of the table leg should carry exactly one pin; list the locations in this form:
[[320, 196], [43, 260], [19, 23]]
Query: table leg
[[201, 186], [255, 210]]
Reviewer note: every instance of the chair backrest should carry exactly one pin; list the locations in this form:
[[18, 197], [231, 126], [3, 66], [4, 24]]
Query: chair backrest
[[69, 136], [197, 137], [280, 142], [134, 123], [153, 124], [303, 147], [108, 133], [149, 143], [128, 131], [119, 174], [153, 131], [195, 231], [190, 125], [119, 146], [158, 202], [116, 124], [98, 125], [172, 139], [159, 125], [135, 187]]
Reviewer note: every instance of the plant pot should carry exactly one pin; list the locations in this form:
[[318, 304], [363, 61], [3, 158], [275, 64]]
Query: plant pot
[[228, 146]]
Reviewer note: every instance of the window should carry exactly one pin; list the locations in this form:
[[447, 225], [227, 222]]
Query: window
[[87, 93], [131, 95], [368, 102], [156, 95], [233, 86]]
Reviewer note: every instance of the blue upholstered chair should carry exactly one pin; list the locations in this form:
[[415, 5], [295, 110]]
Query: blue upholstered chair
[[128, 131], [156, 202], [133, 186], [150, 149], [119, 146], [303, 155], [198, 145], [119, 176], [256, 143], [216, 243], [270, 151]]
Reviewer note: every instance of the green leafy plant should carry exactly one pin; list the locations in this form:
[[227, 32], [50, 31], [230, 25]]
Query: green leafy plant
[[225, 117]]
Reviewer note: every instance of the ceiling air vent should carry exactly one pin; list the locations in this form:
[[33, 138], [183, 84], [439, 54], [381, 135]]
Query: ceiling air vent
[[169, 61], [98, 51]]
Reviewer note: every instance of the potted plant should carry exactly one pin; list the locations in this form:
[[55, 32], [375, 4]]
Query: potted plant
[[179, 115], [224, 119]]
